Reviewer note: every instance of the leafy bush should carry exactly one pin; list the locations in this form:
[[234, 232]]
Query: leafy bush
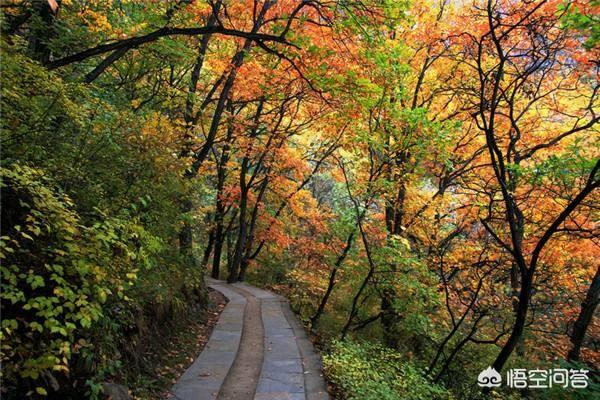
[[91, 275], [53, 278], [370, 371]]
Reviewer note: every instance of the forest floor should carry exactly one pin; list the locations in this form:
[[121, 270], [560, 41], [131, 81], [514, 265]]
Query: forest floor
[[257, 351], [188, 339]]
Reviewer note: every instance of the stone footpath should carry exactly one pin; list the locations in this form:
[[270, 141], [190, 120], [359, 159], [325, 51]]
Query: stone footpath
[[257, 351]]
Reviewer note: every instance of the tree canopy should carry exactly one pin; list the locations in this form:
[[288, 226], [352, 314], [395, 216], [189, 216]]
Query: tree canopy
[[420, 179]]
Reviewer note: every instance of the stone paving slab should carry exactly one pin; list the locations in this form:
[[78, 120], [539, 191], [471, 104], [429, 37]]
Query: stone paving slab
[[289, 365], [314, 383], [204, 378], [291, 369], [279, 396], [280, 348], [282, 382], [257, 292]]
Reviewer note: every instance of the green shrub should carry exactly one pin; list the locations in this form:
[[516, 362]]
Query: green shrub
[[91, 275], [369, 371], [53, 282], [77, 299]]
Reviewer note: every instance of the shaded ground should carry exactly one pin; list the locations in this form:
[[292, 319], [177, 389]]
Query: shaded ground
[[187, 341]]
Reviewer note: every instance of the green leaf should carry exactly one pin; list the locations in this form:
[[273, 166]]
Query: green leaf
[[41, 391]]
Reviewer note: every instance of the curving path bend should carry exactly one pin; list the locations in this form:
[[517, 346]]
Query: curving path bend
[[257, 351]]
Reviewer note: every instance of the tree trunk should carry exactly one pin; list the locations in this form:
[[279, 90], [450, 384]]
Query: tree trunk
[[41, 31], [241, 240], [588, 307], [457, 349], [185, 234], [219, 237], [514, 285], [230, 244], [250, 236], [315, 318], [389, 317], [217, 252], [367, 247], [455, 328], [219, 206], [239, 245], [519, 326], [208, 249]]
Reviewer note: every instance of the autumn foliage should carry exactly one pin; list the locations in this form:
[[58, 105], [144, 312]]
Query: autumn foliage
[[418, 177]]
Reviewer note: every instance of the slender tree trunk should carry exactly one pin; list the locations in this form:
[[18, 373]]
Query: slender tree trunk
[[512, 184], [219, 206], [243, 268], [215, 272], [208, 249], [389, 317], [455, 329], [315, 318], [41, 33], [515, 284], [588, 307], [241, 240], [239, 244], [229, 235], [457, 349], [239, 263], [372, 265], [520, 320], [185, 234], [236, 63], [250, 236], [219, 236]]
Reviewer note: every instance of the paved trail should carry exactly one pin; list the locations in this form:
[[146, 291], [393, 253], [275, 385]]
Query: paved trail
[[257, 351]]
